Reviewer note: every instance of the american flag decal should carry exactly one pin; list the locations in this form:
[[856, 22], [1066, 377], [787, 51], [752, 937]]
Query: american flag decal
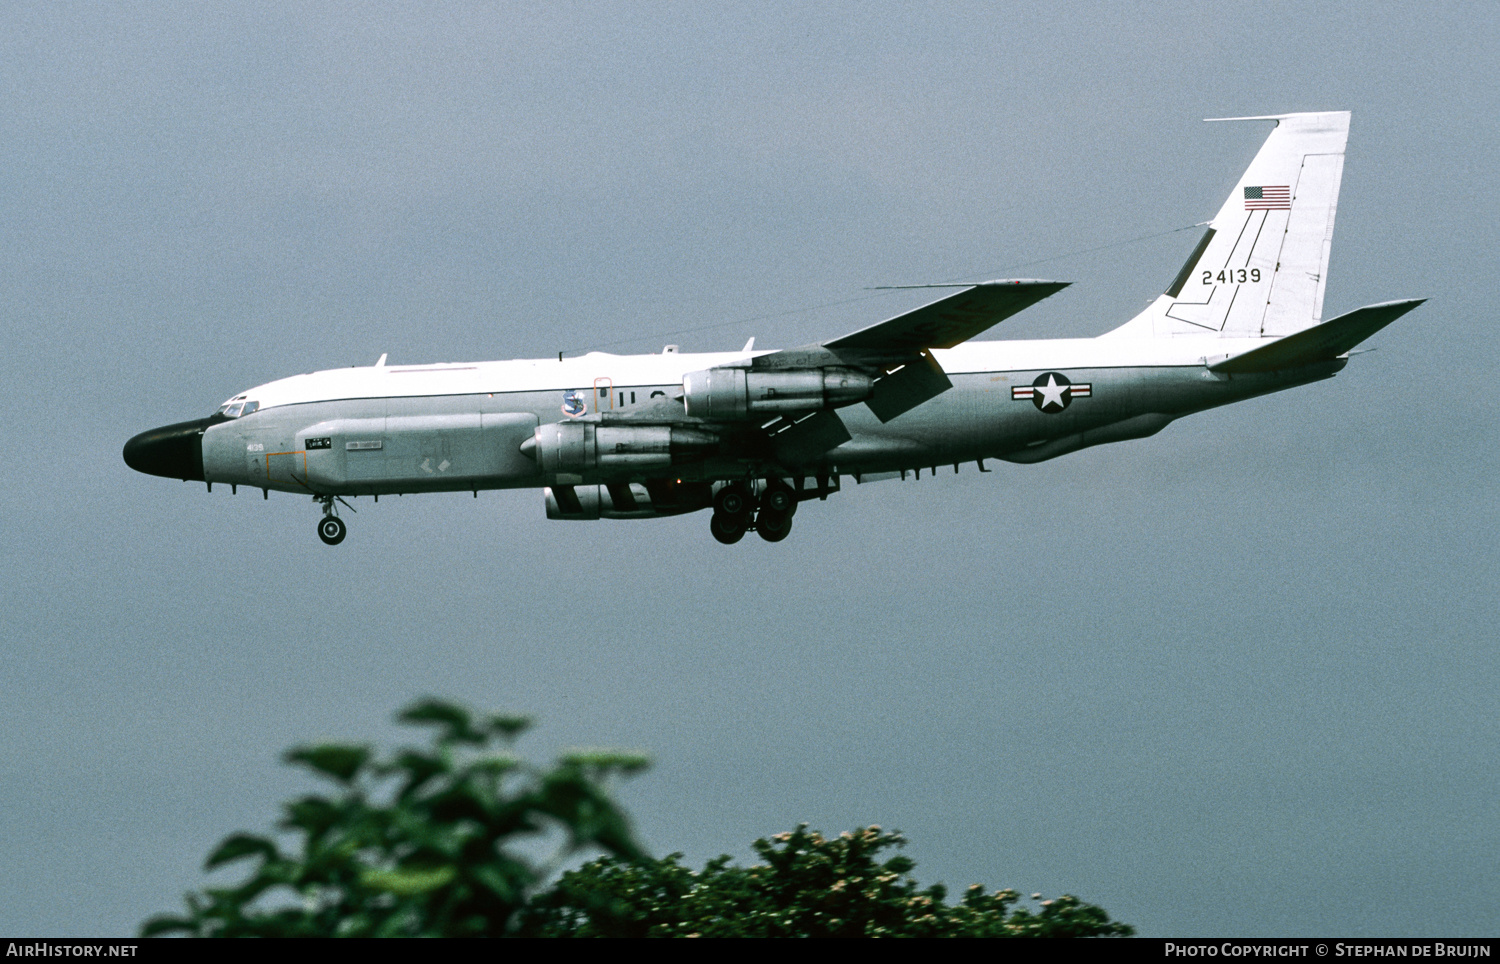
[[1268, 198]]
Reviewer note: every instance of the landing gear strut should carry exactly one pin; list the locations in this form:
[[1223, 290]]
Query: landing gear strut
[[331, 528]]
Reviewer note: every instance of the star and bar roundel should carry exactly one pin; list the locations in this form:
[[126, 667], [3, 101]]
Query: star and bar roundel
[[1052, 392]]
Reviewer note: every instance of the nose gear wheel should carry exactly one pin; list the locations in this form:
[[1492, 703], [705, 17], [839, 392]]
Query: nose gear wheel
[[331, 528]]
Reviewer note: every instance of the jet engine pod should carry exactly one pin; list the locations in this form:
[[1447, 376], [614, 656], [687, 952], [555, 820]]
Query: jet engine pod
[[626, 500], [569, 451], [733, 393]]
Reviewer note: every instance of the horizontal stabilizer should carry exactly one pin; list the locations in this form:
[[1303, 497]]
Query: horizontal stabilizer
[[1320, 343]]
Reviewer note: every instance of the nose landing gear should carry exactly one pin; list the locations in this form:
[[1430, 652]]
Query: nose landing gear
[[331, 528]]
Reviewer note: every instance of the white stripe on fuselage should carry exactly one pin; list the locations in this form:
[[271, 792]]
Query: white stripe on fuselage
[[532, 375]]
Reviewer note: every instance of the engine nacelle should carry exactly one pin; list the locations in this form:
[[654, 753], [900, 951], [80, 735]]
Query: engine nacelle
[[569, 451], [734, 393], [626, 500]]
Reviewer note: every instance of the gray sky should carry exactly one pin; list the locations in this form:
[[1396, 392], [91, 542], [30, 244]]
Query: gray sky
[[1238, 678]]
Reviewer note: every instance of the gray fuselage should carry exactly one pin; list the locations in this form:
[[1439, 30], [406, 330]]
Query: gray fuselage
[[473, 441]]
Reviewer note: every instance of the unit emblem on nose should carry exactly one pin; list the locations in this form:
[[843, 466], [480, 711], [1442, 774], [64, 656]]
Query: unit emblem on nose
[[1052, 392], [573, 404]]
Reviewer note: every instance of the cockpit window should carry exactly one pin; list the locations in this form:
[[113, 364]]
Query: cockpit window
[[236, 407]]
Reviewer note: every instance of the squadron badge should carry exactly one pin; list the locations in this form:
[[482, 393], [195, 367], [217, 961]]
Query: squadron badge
[[573, 404], [1052, 392]]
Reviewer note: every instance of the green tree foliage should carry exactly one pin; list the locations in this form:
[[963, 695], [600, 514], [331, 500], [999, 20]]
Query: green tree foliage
[[807, 885], [422, 843], [435, 842]]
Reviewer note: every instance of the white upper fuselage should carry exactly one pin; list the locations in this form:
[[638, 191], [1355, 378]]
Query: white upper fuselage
[[667, 368]]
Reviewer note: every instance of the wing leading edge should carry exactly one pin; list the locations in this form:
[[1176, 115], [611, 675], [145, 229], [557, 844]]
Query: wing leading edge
[[949, 321], [942, 324]]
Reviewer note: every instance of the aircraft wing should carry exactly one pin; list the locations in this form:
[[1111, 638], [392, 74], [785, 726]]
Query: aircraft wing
[[898, 352], [941, 324], [950, 321]]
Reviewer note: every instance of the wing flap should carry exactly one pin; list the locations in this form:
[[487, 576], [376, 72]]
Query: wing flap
[[916, 382]]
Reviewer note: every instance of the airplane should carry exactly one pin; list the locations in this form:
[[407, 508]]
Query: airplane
[[750, 435]]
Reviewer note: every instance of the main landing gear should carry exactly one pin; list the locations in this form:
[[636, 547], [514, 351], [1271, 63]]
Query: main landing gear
[[331, 528], [737, 511]]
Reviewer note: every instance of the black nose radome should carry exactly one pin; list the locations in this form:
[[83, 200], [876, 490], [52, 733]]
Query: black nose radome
[[172, 451]]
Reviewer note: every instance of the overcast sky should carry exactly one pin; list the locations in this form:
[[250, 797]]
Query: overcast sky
[[1236, 679]]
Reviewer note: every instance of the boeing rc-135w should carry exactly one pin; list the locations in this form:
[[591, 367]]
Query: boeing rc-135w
[[752, 434]]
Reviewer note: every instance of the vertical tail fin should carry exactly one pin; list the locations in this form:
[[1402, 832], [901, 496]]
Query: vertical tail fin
[[1261, 269]]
